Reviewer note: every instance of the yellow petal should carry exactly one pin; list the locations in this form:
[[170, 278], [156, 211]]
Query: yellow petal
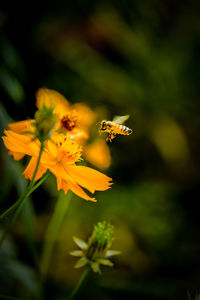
[[16, 155], [60, 173], [21, 126], [89, 178], [98, 154], [76, 189], [51, 98], [59, 185], [28, 173], [52, 148], [87, 116], [20, 143], [48, 159], [66, 182], [78, 135]]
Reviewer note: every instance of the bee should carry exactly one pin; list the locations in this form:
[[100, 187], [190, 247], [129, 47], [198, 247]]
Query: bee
[[115, 127]]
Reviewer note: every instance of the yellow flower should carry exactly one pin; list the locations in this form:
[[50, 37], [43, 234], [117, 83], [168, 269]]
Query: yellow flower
[[69, 125], [73, 120], [59, 156]]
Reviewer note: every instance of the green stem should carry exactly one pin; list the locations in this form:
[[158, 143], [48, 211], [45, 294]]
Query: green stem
[[37, 166], [55, 223], [23, 198], [79, 284]]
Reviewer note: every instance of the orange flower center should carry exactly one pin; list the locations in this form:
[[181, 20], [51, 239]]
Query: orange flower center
[[70, 120]]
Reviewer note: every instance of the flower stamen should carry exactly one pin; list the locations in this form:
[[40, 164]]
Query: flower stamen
[[68, 150]]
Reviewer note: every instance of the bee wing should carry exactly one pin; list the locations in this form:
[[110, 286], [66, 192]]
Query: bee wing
[[120, 119]]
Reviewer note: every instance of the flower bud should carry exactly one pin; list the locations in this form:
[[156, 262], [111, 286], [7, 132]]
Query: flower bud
[[45, 121], [97, 250]]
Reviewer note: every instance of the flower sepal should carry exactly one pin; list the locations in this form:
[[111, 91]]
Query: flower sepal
[[80, 243]]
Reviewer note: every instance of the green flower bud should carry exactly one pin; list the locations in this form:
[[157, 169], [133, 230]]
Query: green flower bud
[[45, 121], [97, 250]]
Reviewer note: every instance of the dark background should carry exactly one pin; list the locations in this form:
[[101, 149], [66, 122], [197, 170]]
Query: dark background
[[120, 57]]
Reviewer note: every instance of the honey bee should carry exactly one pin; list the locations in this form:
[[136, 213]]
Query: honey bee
[[115, 127]]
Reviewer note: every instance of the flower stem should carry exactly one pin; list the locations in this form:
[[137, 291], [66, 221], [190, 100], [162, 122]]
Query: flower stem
[[22, 200], [55, 223], [37, 166], [79, 284]]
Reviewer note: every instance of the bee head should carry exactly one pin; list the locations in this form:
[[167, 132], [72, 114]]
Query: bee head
[[103, 125]]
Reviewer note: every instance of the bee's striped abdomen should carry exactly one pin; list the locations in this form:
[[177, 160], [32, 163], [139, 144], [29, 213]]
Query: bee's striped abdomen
[[124, 130]]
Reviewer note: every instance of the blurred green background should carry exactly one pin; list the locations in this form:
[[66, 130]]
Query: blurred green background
[[119, 57]]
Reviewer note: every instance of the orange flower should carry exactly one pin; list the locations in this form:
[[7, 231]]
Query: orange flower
[[61, 151], [73, 120], [59, 156]]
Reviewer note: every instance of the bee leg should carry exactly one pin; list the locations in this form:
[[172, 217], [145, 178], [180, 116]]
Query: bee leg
[[110, 137], [113, 135]]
